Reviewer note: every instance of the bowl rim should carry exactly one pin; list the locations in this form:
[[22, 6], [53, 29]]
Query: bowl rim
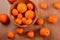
[[36, 14]]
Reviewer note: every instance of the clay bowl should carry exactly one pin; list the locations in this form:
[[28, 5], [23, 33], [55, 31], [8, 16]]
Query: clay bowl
[[25, 1]]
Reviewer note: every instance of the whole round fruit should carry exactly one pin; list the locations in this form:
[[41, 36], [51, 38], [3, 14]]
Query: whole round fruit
[[21, 7], [11, 1], [4, 18], [29, 21], [30, 34], [40, 21], [30, 14], [18, 21], [52, 19], [10, 35], [30, 6], [45, 32], [14, 12], [19, 31]]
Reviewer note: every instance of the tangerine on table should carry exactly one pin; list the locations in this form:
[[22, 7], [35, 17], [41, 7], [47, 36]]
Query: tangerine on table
[[18, 21], [19, 15], [0, 19], [4, 18], [29, 21], [30, 6], [19, 30], [21, 7], [40, 21], [45, 32], [30, 14], [44, 5], [30, 34], [10, 35], [11, 1], [57, 5], [14, 12], [52, 19]]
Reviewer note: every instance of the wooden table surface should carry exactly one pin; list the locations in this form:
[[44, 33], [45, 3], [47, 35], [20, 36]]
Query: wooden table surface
[[54, 28]]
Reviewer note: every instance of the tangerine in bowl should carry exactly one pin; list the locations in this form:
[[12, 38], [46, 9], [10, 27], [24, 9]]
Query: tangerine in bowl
[[24, 13]]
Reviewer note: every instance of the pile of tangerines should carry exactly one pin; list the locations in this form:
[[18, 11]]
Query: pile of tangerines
[[24, 14]]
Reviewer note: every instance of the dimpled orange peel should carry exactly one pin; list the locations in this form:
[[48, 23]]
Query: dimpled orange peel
[[10, 35], [30, 34], [18, 21], [52, 19], [30, 6], [21, 7], [19, 15], [40, 21], [45, 32], [14, 12], [43, 5], [57, 5], [19, 31], [30, 14], [29, 21]]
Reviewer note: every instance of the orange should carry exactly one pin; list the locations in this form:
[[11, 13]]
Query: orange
[[44, 5], [18, 21], [45, 32], [57, 5], [30, 34], [29, 21], [24, 20], [4, 18], [19, 15], [0, 19], [52, 19], [19, 30], [10, 35], [40, 21], [30, 14], [21, 7], [14, 12], [11, 1], [30, 6]]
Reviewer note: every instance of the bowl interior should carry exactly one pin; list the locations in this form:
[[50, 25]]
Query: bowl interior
[[15, 6]]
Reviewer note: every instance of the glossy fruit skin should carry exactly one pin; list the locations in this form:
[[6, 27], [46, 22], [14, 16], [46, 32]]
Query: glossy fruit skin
[[0, 19], [10, 35], [14, 12], [52, 19], [45, 32], [19, 16], [4, 18], [18, 21], [40, 21], [24, 20], [30, 14], [44, 5], [57, 5], [11, 1], [30, 6], [29, 21], [22, 8], [30, 34], [19, 31]]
